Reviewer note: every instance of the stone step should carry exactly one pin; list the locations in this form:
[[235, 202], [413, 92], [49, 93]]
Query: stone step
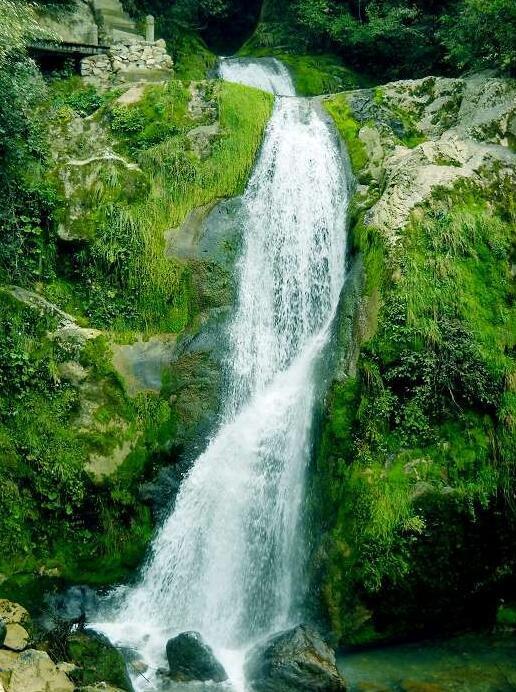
[[118, 22], [113, 5], [126, 36]]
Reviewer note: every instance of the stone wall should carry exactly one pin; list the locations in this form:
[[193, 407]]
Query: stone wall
[[128, 63]]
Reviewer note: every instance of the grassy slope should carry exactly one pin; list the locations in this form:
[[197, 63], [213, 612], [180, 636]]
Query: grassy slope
[[119, 280], [134, 285], [417, 449]]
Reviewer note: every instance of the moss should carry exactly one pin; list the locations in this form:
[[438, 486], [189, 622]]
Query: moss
[[406, 130], [51, 512], [97, 661], [349, 128], [506, 615]]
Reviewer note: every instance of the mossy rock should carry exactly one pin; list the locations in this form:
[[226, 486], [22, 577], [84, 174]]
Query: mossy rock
[[97, 660]]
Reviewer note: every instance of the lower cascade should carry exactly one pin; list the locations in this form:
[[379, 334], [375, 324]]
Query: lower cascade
[[228, 561]]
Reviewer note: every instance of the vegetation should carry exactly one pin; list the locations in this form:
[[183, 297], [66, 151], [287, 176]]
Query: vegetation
[[417, 452], [125, 280], [348, 128], [416, 457], [62, 403], [397, 38], [224, 24]]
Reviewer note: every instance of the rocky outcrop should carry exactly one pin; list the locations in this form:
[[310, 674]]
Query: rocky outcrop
[[291, 661], [92, 663], [16, 637], [23, 669], [143, 363], [191, 659], [128, 63], [422, 135], [15, 621]]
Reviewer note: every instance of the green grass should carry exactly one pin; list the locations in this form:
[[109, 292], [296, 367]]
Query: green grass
[[179, 181], [120, 280]]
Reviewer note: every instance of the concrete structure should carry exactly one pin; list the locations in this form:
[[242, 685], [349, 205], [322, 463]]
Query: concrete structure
[[149, 28]]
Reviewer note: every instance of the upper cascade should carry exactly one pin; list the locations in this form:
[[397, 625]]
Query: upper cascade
[[268, 74]]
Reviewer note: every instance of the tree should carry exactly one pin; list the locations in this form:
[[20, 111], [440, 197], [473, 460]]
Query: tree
[[481, 34]]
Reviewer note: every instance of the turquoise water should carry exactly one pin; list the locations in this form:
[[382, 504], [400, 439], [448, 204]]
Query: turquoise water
[[468, 663]]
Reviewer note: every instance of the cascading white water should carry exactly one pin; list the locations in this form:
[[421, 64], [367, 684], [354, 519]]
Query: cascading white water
[[228, 560], [267, 74]]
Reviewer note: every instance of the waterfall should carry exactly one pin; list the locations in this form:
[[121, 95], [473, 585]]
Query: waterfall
[[228, 561]]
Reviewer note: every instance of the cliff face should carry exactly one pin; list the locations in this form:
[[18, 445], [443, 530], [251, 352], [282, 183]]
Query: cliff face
[[415, 458]]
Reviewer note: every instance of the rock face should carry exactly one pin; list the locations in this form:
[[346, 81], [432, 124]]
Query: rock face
[[190, 658], [422, 135], [297, 659], [76, 24], [13, 613]]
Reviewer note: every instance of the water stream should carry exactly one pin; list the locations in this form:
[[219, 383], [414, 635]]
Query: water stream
[[228, 561]]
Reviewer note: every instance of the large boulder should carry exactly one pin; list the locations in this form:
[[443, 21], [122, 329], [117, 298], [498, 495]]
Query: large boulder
[[31, 671], [292, 661], [190, 658], [16, 637], [97, 660]]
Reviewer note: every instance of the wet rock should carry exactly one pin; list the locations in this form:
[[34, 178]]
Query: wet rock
[[143, 363], [294, 660], [190, 658], [73, 604]]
